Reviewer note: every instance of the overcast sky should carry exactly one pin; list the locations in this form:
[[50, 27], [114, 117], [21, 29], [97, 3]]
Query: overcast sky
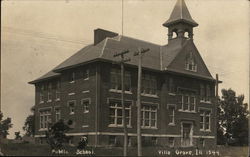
[[38, 35]]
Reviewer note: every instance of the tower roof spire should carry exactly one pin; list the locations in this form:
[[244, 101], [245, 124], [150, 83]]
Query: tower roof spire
[[180, 13]]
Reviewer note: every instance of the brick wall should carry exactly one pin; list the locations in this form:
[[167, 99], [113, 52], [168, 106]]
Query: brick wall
[[98, 86]]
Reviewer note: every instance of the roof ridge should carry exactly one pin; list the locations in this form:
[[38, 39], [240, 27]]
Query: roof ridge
[[141, 40]]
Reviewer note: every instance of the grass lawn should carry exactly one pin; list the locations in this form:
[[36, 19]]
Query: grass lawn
[[26, 149]]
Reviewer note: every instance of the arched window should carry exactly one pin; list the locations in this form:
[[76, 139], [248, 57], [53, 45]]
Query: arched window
[[174, 35], [186, 34]]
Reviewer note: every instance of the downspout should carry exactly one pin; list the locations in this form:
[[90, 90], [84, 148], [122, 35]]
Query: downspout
[[96, 106]]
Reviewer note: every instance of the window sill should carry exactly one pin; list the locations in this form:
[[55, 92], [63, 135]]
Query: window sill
[[186, 111], [118, 126], [41, 102], [173, 94], [205, 130], [171, 124], [58, 99], [85, 91], [71, 94], [43, 129], [71, 113], [86, 79], [153, 128], [119, 91], [86, 112], [49, 101], [149, 95], [207, 102], [85, 126]]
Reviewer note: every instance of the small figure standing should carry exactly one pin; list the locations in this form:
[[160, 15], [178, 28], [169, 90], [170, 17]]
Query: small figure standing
[[83, 143]]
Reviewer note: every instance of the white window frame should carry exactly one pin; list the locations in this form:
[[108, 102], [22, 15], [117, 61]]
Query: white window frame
[[57, 114], [189, 103], [116, 107], [44, 113], [202, 112], [117, 74], [86, 110], [150, 110], [148, 80], [190, 61], [171, 115]]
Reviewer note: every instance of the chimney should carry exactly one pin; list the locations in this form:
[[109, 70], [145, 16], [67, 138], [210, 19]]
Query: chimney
[[101, 34]]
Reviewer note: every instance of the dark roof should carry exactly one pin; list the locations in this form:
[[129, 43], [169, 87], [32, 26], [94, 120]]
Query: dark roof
[[46, 76], [180, 14], [157, 58]]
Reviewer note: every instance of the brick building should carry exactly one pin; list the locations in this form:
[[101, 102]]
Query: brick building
[[178, 91]]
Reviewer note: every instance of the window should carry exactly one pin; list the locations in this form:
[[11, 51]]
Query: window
[[72, 77], [171, 142], [41, 94], [85, 104], [149, 84], [86, 74], [188, 102], [115, 113], [190, 63], [154, 141], [45, 118], [172, 115], [208, 94], [58, 114], [171, 85], [49, 92], [129, 141], [112, 140], [205, 120], [58, 87], [71, 105], [202, 93], [192, 103], [202, 142], [149, 116], [116, 80]]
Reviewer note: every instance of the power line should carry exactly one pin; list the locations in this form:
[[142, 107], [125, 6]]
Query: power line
[[41, 35]]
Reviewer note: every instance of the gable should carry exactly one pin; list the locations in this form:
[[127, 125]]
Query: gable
[[188, 53]]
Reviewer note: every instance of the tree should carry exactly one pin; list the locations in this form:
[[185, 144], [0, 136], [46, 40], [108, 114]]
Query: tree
[[29, 124], [5, 125], [232, 119], [56, 134], [18, 136]]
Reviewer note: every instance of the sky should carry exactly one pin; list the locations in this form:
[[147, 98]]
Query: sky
[[37, 35]]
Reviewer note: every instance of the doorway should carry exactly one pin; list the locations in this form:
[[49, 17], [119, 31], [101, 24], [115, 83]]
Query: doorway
[[187, 134]]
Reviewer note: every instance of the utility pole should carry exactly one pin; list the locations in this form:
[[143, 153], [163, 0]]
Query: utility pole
[[123, 60], [216, 105], [139, 144]]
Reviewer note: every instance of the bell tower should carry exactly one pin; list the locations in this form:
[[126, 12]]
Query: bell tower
[[180, 23]]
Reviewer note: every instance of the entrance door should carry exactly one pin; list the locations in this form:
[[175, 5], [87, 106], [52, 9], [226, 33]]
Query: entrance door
[[187, 134]]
